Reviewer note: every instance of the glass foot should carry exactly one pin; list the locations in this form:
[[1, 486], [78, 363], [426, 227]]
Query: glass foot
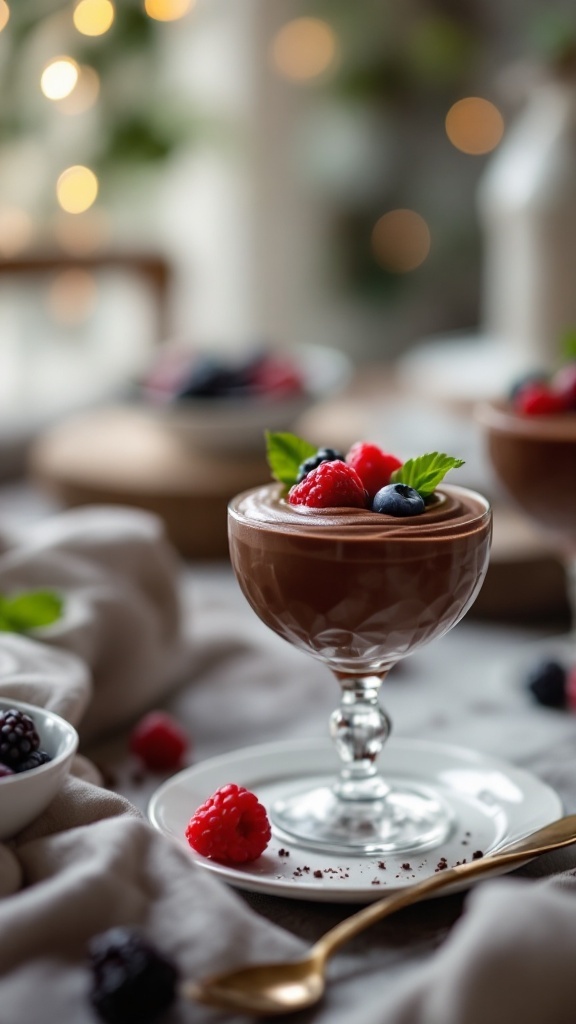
[[408, 817]]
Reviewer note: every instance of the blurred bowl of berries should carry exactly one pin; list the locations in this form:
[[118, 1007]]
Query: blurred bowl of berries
[[223, 402], [36, 750]]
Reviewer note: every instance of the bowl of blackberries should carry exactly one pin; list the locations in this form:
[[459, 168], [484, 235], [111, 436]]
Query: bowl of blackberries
[[36, 749], [223, 401]]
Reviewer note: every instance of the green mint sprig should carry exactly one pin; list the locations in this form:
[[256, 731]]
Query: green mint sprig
[[425, 472], [285, 453], [29, 610]]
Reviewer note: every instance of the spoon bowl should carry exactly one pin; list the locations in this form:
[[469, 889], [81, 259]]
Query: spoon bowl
[[276, 988]]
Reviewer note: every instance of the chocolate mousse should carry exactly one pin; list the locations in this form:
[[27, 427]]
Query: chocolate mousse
[[534, 458], [359, 589]]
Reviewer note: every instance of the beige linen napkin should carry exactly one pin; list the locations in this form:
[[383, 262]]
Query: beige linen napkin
[[91, 863], [122, 616]]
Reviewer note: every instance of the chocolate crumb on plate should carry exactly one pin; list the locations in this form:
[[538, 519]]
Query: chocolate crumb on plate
[[477, 854]]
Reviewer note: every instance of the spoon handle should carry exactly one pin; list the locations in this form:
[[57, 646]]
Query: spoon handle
[[551, 837]]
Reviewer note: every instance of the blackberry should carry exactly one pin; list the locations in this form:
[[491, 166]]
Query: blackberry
[[132, 983], [322, 455], [547, 683], [18, 737], [37, 757]]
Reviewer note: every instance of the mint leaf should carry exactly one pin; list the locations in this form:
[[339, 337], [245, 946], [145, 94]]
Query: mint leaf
[[285, 452], [426, 472], [29, 610]]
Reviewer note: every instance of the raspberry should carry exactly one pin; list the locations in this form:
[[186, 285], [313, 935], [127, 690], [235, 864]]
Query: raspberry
[[330, 485], [538, 399], [159, 741], [18, 737], [132, 983], [374, 467], [231, 826]]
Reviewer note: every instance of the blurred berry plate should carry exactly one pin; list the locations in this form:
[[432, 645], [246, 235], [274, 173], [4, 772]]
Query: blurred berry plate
[[222, 406]]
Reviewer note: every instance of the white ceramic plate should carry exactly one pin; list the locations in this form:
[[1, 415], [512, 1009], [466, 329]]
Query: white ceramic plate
[[494, 803]]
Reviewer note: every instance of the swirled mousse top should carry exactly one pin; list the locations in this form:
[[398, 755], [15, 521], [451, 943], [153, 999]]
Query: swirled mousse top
[[452, 511]]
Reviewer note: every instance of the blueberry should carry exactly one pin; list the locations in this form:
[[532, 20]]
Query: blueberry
[[547, 682], [322, 455], [535, 377], [398, 500]]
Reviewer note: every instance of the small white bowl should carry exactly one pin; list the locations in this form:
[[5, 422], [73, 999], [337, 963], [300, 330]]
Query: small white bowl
[[24, 795]]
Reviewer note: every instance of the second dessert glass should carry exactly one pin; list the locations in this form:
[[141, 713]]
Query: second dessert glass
[[359, 591], [534, 460]]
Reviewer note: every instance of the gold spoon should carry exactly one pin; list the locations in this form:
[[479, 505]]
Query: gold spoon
[[285, 987]]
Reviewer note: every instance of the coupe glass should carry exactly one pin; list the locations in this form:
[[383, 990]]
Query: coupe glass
[[534, 461], [359, 591]]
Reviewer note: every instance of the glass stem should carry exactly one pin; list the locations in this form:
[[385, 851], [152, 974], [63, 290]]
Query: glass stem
[[359, 728]]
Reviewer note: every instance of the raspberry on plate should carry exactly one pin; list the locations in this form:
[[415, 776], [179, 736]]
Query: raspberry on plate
[[232, 826], [374, 466], [330, 485], [159, 741]]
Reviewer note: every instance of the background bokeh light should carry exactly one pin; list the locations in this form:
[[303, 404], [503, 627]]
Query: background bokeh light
[[401, 241], [167, 10], [304, 49], [93, 17], [474, 125], [59, 78], [4, 14], [77, 189]]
